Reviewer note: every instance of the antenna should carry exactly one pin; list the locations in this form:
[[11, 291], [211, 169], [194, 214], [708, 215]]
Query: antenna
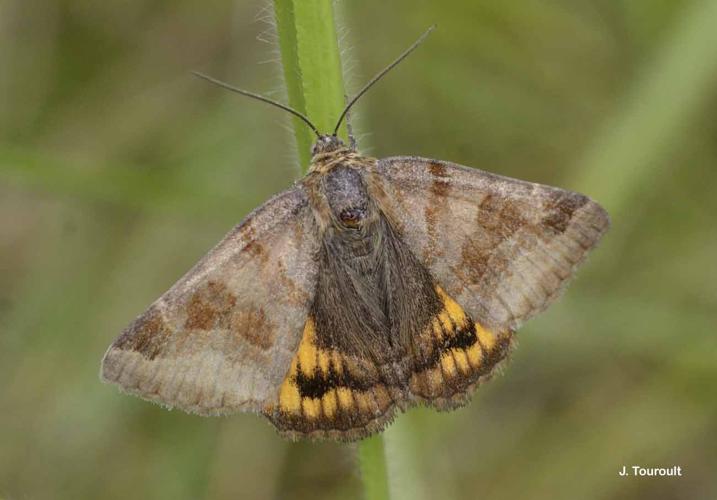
[[381, 74], [259, 98]]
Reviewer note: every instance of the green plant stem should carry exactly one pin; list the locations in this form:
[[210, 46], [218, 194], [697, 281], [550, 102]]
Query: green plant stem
[[312, 66], [314, 81], [372, 460]]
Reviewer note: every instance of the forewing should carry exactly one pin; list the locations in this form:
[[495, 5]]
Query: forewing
[[502, 248], [222, 338]]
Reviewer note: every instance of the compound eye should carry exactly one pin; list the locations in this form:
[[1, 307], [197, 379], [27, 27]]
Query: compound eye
[[353, 216]]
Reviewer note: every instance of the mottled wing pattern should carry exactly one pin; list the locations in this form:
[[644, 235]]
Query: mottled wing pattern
[[502, 248], [222, 338]]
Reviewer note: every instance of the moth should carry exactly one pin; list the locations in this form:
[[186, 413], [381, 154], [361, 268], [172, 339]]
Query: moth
[[370, 286]]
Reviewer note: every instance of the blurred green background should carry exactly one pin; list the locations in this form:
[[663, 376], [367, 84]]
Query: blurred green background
[[118, 170]]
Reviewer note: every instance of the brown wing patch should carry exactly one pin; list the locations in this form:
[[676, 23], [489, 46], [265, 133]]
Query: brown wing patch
[[457, 353], [474, 262], [478, 256], [294, 293], [500, 216], [560, 209], [436, 211], [252, 326], [210, 307], [253, 247], [146, 335], [438, 169], [327, 394]]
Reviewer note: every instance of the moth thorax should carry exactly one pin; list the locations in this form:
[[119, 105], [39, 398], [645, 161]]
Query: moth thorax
[[347, 196]]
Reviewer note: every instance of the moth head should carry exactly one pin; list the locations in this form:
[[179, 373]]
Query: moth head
[[326, 144]]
